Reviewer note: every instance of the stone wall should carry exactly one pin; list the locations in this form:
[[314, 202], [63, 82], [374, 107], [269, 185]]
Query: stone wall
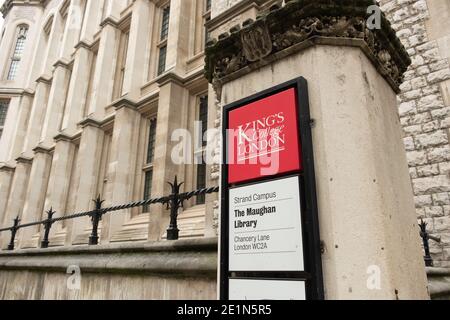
[[185, 269], [424, 110]]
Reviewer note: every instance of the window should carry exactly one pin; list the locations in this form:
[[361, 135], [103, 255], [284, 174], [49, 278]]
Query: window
[[165, 23], [165, 19], [162, 60], [121, 65], [201, 167], [148, 168], [208, 5], [3, 111], [22, 33]]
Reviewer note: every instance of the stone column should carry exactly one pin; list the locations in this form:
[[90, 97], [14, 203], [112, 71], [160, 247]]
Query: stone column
[[16, 198], [72, 29], [136, 74], [78, 87], [179, 35], [104, 73], [122, 167], [55, 106], [60, 178], [7, 139], [89, 153], [20, 127], [6, 176], [365, 201], [91, 20], [33, 209], [172, 97], [54, 45], [37, 115]]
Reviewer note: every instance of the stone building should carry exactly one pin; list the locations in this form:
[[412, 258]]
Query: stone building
[[90, 94], [424, 28]]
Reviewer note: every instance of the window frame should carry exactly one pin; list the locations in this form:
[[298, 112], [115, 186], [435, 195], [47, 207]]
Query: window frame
[[148, 162], [4, 105], [15, 57]]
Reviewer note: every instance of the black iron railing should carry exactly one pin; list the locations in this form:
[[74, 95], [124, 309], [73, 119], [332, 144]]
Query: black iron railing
[[174, 202], [426, 237]]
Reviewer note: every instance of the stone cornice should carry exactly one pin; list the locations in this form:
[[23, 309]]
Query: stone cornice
[[63, 137], [23, 159], [45, 79], [90, 122], [110, 21], [302, 23], [8, 4], [43, 149], [124, 102], [63, 64], [6, 167]]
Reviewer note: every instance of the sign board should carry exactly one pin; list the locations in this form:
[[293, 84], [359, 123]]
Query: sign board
[[250, 289], [265, 227], [269, 233], [264, 138]]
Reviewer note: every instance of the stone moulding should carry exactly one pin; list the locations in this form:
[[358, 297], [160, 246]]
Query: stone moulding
[[300, 24]]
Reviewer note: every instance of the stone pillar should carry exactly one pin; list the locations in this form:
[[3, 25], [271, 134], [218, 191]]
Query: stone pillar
[[60, 178], [179, 35], [78, 87], [37, 115], [7, 139], [365, 200], [104, 72], [33, 209], [72, 28], [16, 198], [56, 103], [91, 20], [123, 164], [20, 126], [6, 176], [89, 153], [136, 74], [54, 45], [172, 97]]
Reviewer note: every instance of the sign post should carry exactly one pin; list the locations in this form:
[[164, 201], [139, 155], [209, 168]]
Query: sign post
[[270, 243]]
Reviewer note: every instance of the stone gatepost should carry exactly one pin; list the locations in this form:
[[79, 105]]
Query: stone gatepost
[[368, 227]]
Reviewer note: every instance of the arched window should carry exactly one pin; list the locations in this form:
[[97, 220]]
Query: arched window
[[16, 56]]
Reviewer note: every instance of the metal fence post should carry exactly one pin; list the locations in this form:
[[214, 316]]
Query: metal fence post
[[175, 203], [14, 229], [47, 225], [426, 243], [96, 216]]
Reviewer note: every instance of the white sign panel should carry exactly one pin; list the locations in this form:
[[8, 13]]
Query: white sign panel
[[266, 290], [265, 227]]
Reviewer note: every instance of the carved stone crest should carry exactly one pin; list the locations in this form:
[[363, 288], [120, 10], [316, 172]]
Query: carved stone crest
[[256, 42]]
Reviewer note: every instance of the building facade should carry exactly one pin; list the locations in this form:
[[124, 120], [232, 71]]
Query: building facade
[[92, 91], [81, 89]]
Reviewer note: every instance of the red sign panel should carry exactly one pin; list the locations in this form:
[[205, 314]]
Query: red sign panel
[[263, 138]]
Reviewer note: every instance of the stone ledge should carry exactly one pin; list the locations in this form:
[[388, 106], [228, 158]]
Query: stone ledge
[[439, 283], [178, 258]]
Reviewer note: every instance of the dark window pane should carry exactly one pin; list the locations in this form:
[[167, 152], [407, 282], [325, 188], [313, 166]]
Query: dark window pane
[[151, 141], [208, 5], [3, 112], [203, 117], [201, 181], [165, 23], [162, 60], [148, 188]]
